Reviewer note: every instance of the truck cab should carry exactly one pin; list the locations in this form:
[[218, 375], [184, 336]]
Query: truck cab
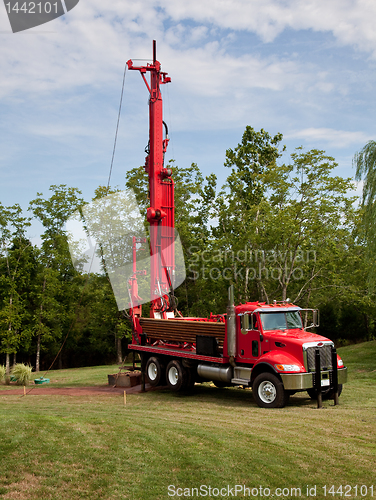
[[276, 355]]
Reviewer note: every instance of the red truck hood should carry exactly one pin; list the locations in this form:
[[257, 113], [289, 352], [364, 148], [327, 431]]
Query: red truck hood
[[296, 336]]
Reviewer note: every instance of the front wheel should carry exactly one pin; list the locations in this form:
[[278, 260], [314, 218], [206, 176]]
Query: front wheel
[[268, 391]]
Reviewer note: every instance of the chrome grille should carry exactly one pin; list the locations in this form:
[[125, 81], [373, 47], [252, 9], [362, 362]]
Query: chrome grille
[[325, 357]]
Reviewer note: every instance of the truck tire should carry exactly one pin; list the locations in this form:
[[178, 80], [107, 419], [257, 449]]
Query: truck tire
[[155, 371], [326, 394], [268, 391], [176, 376]]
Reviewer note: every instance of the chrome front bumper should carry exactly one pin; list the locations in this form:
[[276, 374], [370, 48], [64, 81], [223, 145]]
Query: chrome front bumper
[[303, 381]]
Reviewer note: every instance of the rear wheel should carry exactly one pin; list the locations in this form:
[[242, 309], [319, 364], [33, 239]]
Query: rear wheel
[[268, 391], [155, 371], [176, 376]]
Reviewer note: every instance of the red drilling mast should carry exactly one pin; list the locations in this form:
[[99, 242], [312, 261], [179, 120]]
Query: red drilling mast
[[161, 213]]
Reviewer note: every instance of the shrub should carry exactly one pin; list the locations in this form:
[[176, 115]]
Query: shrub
[[22, 373], [2, 373]]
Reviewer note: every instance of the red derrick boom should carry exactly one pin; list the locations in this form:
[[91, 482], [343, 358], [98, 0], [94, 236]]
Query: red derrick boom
[[161, 213]]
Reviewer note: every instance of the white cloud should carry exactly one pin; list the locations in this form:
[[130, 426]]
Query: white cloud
[[64, 86], [351, 22], [92, 42], [212, 72], [336, 138]]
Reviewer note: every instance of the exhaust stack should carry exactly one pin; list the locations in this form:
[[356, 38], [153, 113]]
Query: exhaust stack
[[231, 326]]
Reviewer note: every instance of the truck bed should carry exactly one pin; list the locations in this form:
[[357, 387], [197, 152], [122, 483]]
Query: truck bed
[[170, 330]]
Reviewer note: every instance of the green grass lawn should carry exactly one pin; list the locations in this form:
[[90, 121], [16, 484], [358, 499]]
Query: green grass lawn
[[75, 377], [94, 447]]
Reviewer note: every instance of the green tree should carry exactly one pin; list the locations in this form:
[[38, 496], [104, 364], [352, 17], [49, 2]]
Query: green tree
[[47, 310], [55, 294], [111, 224], [100, 328], [280, 225], [15, 261], [308, 219], [365, 163], [257, 152], [238, 210]]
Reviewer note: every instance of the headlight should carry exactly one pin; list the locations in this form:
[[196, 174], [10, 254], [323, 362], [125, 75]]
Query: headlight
[[288, 368], [339, 362]]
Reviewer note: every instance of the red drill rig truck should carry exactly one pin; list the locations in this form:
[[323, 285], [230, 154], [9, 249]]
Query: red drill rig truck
[[258, 345]]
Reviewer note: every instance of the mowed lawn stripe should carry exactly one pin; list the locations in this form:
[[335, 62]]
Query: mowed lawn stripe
[[54, 447]]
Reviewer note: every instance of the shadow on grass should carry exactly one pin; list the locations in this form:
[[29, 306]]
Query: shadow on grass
[[235, 397]]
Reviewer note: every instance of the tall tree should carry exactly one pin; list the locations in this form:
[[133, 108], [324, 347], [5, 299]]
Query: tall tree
[[112, 223], [239, 204], [15, 262], [309, 216], [365, 163], [279, 225], [58, 294], [47, 310]]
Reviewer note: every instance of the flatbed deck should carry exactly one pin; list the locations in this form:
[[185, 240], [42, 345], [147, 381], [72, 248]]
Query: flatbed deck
[[179, 353]]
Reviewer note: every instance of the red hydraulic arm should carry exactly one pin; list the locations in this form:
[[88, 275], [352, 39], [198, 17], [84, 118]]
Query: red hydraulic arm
[[161, 213]]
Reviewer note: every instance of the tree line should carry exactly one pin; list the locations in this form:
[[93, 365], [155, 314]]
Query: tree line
[[274, 230]]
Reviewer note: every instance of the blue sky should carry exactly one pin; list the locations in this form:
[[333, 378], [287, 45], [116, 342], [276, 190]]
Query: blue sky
[[306, 69]]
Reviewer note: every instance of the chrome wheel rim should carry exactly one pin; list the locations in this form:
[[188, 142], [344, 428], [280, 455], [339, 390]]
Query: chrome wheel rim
[[173, 375], [152, 371], [267, 392]]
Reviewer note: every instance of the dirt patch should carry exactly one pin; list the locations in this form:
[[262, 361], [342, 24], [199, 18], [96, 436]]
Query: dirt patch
[[22, 489], [75, 391]]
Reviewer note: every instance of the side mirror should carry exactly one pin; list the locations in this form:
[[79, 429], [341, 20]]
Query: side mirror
[[315, 317], [244, 322], [311, 318]]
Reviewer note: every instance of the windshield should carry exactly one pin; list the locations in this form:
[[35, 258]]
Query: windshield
[[281, 320]]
